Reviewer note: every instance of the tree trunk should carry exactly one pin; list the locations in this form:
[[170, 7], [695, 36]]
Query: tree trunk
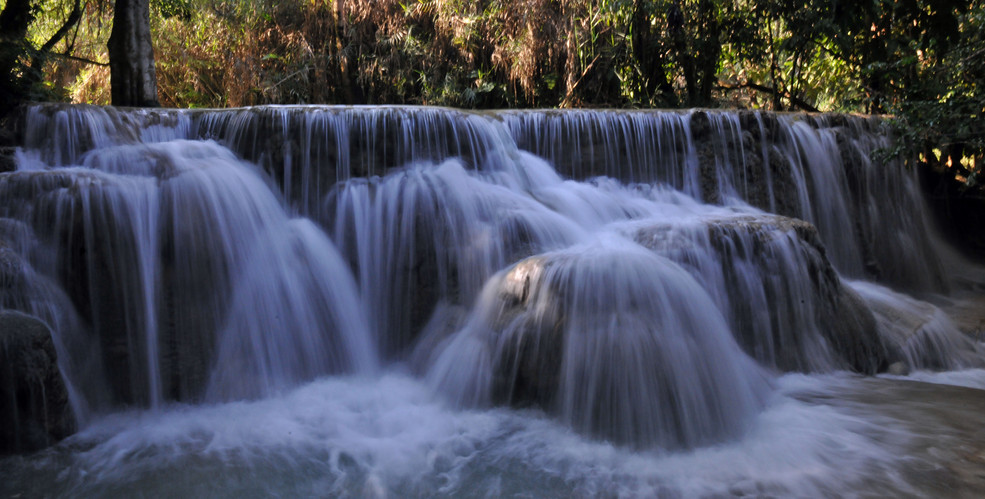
[[709, 51], [131, 56], [649, 55]]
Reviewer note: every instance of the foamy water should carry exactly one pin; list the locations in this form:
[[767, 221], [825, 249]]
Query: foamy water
[[391, 437]]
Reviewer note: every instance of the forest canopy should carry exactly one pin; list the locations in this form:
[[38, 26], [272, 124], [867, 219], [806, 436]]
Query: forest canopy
[[918, 60]]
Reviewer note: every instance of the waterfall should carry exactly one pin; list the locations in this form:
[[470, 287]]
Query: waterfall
[[641, 276], [160, 247]]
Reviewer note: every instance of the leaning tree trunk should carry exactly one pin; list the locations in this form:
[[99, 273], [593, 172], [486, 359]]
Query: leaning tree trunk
[[131, 55]]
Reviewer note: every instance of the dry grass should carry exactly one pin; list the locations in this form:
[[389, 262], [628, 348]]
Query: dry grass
[[491, 53]]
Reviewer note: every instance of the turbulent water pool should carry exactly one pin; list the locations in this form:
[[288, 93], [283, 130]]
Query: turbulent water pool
[[819, 436], [417, 302]]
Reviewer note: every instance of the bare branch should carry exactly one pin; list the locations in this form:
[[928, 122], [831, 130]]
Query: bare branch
[[79, 59]]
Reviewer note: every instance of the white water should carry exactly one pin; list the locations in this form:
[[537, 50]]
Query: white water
[[406, 302], [389, 437]]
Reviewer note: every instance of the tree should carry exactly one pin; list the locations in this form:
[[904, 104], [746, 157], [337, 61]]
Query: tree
[[20, 61], [942, 104], [16, 17], [133, 78]]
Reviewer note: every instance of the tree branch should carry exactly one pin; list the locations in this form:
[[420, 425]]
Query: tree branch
[[569, 95], [70, 22], [794, 100], [80, 59]]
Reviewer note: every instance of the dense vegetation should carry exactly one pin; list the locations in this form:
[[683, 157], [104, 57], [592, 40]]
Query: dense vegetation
[[919, 60]]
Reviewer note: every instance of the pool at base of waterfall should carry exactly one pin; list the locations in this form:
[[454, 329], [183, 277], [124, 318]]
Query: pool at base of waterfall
[[390, 436]]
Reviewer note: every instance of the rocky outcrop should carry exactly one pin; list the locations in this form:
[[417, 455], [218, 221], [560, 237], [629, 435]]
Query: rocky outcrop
[[34, 403], [18, 291], [786, 305], [11, 273]]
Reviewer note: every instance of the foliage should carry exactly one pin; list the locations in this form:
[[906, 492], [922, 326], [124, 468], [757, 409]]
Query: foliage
[[917, 59], [33, 34], [940, 111]]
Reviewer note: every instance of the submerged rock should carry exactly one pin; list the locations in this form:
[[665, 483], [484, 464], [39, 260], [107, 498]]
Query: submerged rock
[[34, 403]]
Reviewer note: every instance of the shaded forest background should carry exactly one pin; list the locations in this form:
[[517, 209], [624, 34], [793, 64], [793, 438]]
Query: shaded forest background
[[921, 61]]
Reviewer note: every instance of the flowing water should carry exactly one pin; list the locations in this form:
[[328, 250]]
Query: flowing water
[[397, 301]]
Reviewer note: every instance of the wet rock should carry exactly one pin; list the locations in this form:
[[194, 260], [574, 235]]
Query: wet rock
[[530, 374], [852, 330], [968, 314], [15, 288], [784, 185], [786, 304], [11, 269], [700, 126], [7, 161], [63, 207], [34, 402], [922, 334], [708, 174]]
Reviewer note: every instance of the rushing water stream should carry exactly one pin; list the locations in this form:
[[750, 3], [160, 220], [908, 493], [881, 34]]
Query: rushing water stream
[[394, 301]]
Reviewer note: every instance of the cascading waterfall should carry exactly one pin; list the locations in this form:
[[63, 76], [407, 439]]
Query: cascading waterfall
[[782, 298], [430, 234], [642, 278], [818, 169], [161, 245]]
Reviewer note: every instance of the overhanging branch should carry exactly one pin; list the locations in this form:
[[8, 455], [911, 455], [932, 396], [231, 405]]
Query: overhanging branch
[[794, 100], [79, 59], [70, 22]]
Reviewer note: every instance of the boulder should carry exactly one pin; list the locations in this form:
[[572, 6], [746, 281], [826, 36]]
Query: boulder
[[34, 404], [617, 342]]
